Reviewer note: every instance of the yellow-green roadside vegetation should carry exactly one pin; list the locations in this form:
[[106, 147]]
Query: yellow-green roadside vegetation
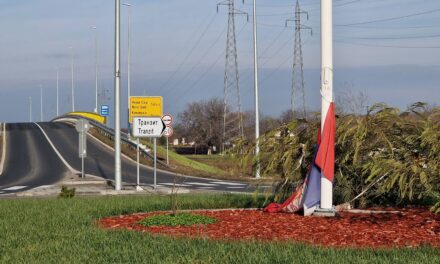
[[52, 230], [229, 163]]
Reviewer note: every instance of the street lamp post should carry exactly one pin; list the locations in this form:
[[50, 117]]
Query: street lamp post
[[58, 106], [30, 109], [96, 68], [257, 109], [118, 186], [41, 103], [73, 88], [128, 63]]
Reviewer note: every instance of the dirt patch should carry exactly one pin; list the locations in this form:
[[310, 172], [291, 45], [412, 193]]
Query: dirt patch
[[410, 228]]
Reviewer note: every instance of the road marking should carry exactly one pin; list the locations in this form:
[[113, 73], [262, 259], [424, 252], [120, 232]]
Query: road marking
[[230, 183], [201, 184], [56, 151], [236, 187], [14, 188]]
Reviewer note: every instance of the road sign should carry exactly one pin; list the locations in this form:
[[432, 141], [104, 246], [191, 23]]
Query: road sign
[[82, 153], [168, 132], [105, 110], [167, 119], [82, 125], [145, 106], [148, 127]]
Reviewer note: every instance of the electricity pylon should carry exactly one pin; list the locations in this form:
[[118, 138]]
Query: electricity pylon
[[298, 100], [232, 115]]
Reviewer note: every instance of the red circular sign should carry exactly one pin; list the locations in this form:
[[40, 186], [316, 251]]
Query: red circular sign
[[168, 132], [167, 119]]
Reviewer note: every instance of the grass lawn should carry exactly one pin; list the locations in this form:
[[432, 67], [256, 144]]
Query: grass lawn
[[63, 231], [230, 164]]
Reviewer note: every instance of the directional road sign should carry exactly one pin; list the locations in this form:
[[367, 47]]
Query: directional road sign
[[145, 106], [105, 110], [148, 127]]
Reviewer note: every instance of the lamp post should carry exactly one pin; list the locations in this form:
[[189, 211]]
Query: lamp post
[[73, 88], [41, 103], [128, 63], [118, 186], [94, 28], [30, 109], [257, 108], [58, 106]]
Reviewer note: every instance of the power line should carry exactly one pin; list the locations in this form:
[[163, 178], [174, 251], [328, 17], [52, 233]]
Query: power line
[[189, 53], [199, 61], [185, 93], [386, 46], [395, 37], [390, 18]]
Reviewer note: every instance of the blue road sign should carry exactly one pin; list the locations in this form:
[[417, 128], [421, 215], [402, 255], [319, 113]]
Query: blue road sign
[[105, 109]]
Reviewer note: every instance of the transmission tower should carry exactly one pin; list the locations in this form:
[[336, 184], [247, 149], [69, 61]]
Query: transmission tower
[[232, 115], [298, 101]]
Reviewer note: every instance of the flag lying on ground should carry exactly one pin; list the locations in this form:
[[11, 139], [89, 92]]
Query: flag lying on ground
[[307, 195]]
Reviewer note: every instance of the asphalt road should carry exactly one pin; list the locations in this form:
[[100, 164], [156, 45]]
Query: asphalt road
[[30, 161], [100, 162]]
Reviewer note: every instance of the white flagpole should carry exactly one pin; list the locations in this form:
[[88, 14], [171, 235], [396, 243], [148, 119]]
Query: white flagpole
[[326, 87]]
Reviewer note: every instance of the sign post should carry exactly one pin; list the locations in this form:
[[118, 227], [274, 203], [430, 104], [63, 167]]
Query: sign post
[[149, 127], [82, 126], [145, 122], [168, 121], [138, 187]]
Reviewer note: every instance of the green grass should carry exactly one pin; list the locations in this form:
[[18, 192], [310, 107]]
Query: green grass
[[64, 231], [182, 219], [194, 167], [184, 161]]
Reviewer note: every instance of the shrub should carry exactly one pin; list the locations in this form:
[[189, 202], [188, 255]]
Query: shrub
[[67, 192]]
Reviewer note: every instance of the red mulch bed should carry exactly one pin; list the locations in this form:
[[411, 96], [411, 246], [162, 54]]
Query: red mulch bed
[[409, 228]]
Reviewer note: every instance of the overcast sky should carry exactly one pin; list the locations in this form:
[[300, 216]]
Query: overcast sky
[[389, 49]]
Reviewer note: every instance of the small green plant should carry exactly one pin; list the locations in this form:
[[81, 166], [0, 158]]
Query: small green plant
[[67, 192], [183, 219]]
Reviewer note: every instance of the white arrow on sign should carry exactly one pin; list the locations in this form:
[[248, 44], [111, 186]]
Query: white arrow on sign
[[147, 127]]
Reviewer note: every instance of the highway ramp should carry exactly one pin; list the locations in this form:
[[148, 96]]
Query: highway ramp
[[100, 162], [30, 160]]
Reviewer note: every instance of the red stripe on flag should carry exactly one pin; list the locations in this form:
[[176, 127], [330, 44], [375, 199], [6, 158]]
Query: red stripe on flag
[[325, 159]]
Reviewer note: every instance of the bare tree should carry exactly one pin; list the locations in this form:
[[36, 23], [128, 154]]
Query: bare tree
[[202, 122], [349, 101]]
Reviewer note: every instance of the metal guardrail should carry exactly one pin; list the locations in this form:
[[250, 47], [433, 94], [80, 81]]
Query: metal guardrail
[[111, 133]]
